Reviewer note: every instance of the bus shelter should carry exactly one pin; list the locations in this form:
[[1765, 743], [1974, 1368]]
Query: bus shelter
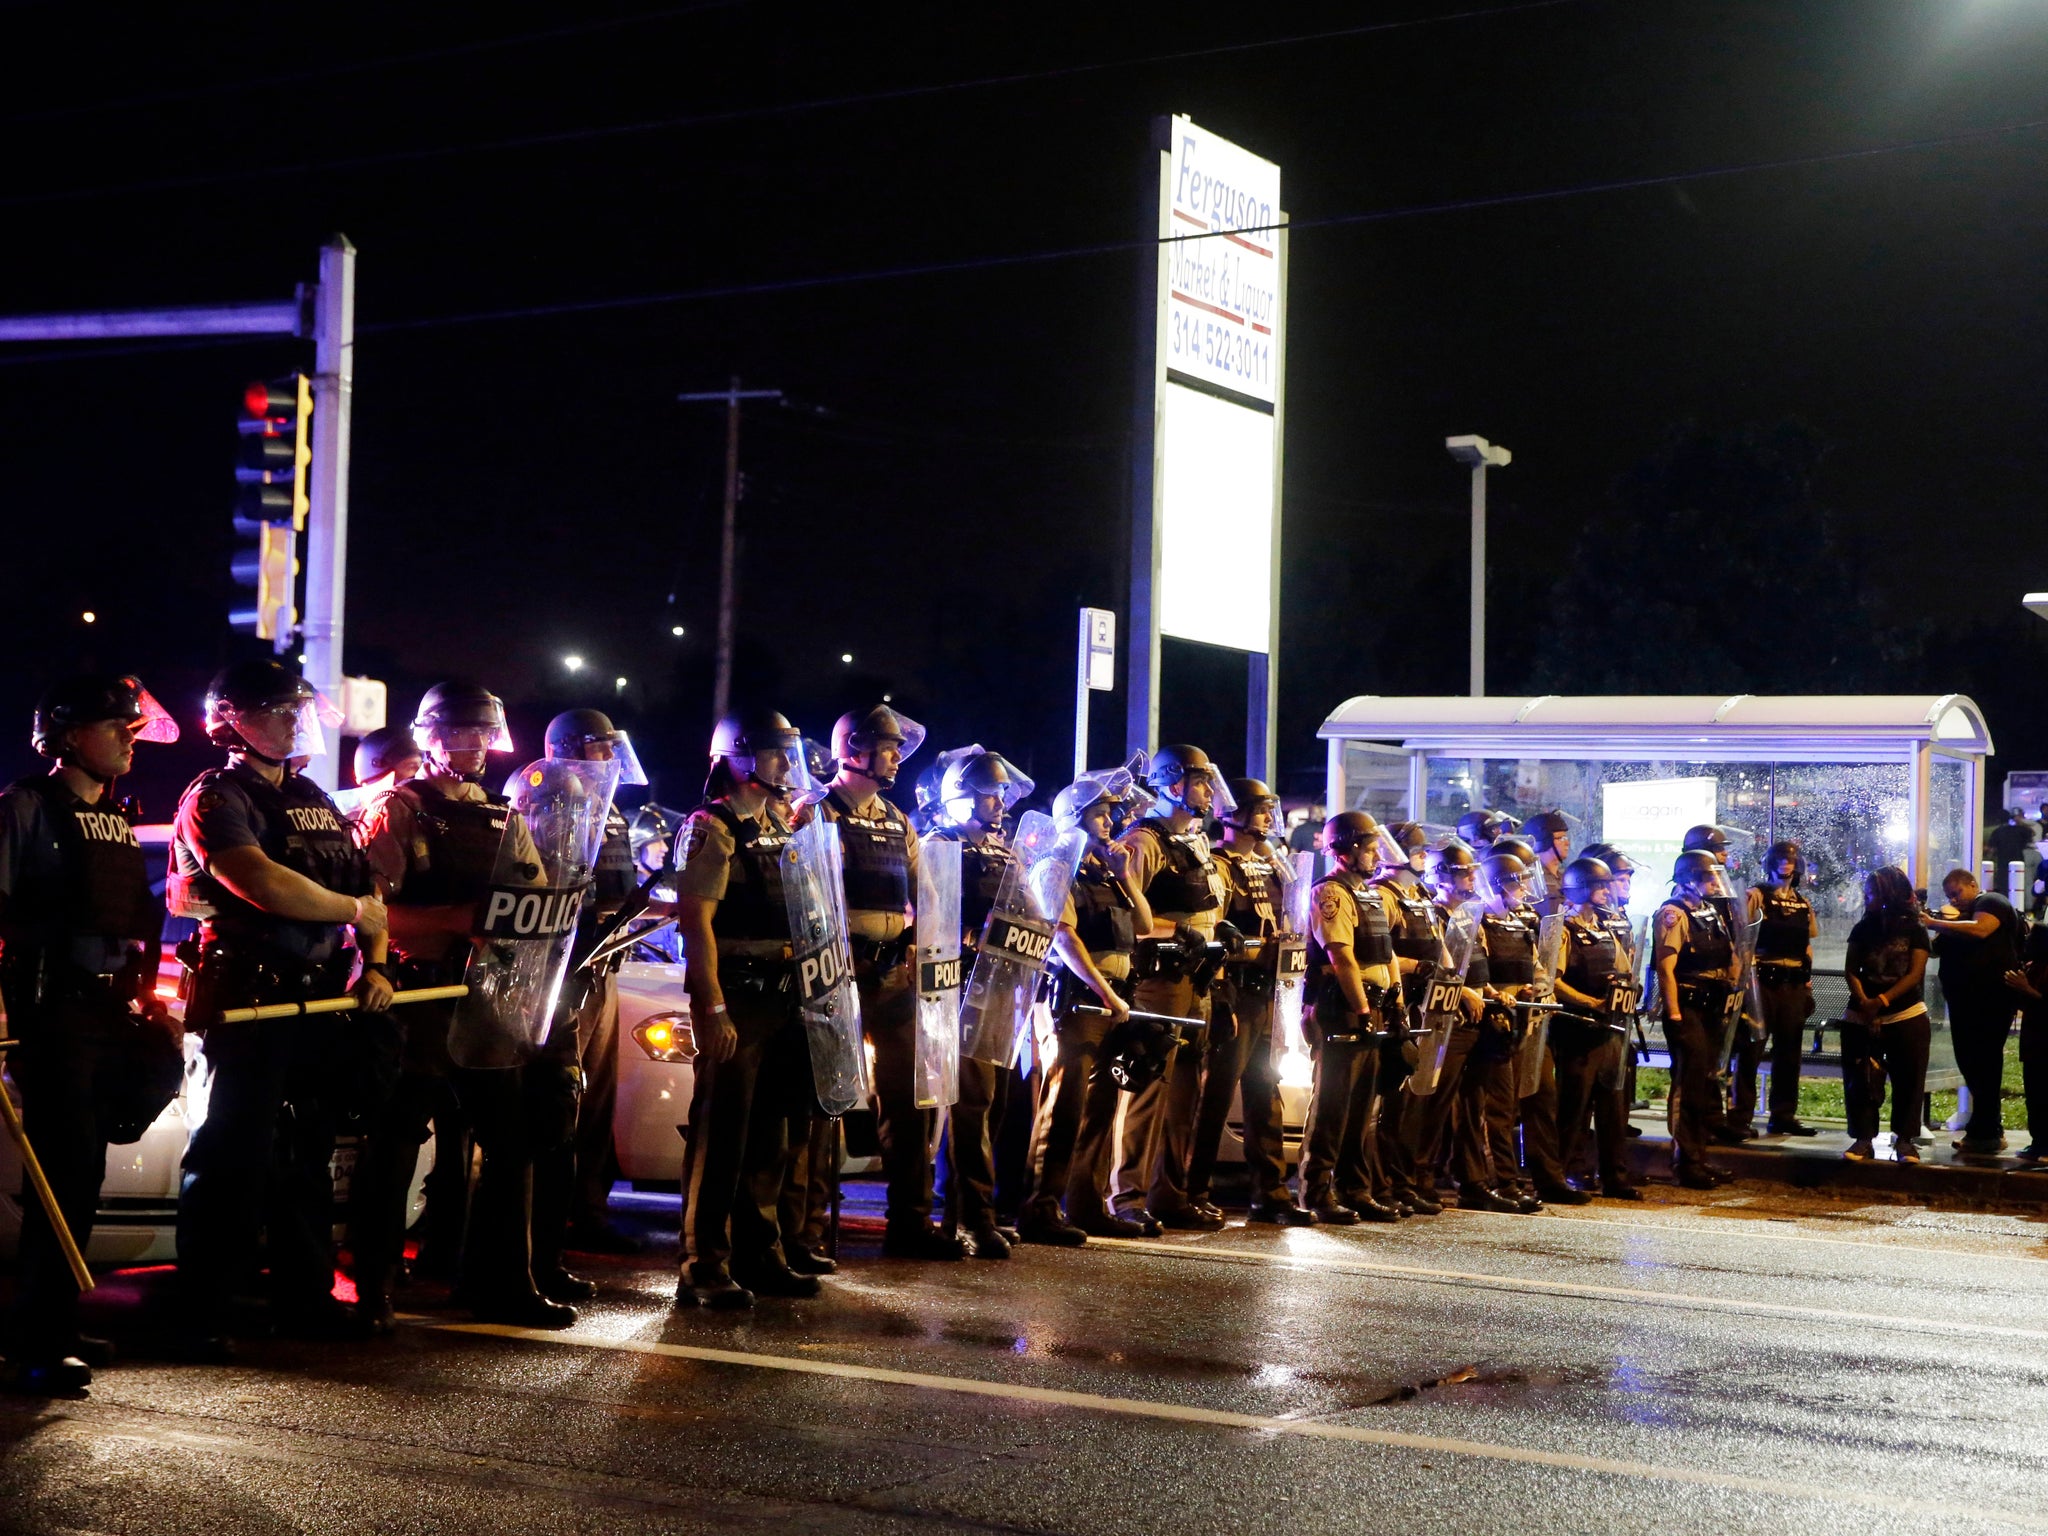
[[1858, 780]]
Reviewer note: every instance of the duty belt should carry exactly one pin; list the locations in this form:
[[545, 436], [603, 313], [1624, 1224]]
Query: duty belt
[[1705, 995], [1381, 1003], [756, 973], [227, 975], [1773, 973], [35, 978], [883, 955]]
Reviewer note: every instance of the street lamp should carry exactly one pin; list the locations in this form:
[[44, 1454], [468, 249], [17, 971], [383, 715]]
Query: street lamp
[[573, 663], [2036, 603], [1482, 456]]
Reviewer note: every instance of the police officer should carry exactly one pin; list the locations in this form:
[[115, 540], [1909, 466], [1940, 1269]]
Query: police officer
[[97, 1057], [1353, 996], [1477, 830], [1785, 930], [1695, 962], [1241, 1060], [1172, 865], [591, 994], [435, 841], [1074, 1132], [1507, 936], [384, 757], [1551, 836], [1427, 1119], [1628, 943], [1737, 1049], [750, 1105], [1588, 1038], [880, 851], [976, 792], [261, 855], [1418, 945]]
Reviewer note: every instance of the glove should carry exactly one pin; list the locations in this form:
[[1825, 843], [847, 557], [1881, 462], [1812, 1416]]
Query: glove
[[1230, 937], [1192, 940]]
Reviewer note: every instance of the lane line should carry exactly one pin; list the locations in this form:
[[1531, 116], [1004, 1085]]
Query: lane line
[[1553, 1213], [1131, 1407], [1683, 1300]]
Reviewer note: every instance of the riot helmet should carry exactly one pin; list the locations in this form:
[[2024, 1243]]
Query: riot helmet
[[1620, 865], [757, 747], [1698, 871], [91, 698], [1583, 876], [1348, 831], [268, 711], [386, 750], [1478, 829], [651, 831], [927, 793], [1413, 841], [1786, 850], [1179, 763], [1117, 788], [1544, 829], [1454, 870], [1504, 876], [461, 718], [980, 786], [855, 735], [1709, 838], [1517, 846], [1249, 796], [574, 732]]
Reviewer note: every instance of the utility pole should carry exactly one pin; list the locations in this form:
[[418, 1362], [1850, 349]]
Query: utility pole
[[1481, 455], [728, 533]]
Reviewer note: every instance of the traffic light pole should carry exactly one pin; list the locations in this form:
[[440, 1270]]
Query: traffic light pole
[[334, 367]]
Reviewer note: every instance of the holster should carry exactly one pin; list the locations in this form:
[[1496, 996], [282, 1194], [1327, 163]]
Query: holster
[[878, 957]]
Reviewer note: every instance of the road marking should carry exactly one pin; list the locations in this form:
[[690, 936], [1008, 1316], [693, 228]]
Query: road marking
[[1677, 1299], [1884, 1241], [1306, 1428]]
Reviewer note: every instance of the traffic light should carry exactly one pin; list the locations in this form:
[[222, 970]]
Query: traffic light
[[271, 510]]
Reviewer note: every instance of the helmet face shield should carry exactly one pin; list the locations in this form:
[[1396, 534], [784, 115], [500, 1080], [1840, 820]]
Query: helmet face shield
[[153, 722], [290, 728], [1116, 788], [449, 737], [617, 748]]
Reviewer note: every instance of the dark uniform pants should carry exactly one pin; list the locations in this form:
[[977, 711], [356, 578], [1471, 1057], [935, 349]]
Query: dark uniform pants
[[597, 1052], [1538, 1111], [75, 1067], [1240, 1064], [524, 1121], [888, 1017], [1590, 1064], [1340, 1106], [1786, 1008], [1159, 1121], [1065, 1097], [994, 1106], [1695, 1095], [1980, 1027], [1426, 1119], [1486, 1104], [748, 1114]]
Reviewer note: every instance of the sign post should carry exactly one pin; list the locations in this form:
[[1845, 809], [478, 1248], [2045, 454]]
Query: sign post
[[1094, 667], [1205, 514]]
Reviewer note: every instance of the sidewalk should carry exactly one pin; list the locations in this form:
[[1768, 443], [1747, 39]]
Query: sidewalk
[[1811, 1162]]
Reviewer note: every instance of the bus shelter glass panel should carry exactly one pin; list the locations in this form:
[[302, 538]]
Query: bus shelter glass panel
[[1948, 819], [1848, 819], [1375, 780]]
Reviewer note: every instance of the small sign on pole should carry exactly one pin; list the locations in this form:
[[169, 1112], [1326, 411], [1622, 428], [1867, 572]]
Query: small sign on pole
[[363, 705], [1094, 668]]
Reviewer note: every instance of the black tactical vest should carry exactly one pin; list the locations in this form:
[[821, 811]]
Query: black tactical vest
[[1181, 887], [296, 826], [1372, 940], [982, 868], [1591, 958], [615, 876], [876, 854], [1418, 932], [100, 888], [1102, 913], [1252, 887], [1708, 946], [455, 854], [1510, 948], [1786, 929], [753, 905]]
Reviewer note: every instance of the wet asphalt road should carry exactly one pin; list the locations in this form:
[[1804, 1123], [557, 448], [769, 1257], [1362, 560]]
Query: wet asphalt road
[[1751, 1360]]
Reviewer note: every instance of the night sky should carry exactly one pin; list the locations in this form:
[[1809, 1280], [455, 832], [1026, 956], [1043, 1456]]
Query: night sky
[[948, 479]]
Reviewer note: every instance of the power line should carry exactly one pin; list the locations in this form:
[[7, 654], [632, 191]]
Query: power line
[[731, 115], [363, 66], [1101, 248]]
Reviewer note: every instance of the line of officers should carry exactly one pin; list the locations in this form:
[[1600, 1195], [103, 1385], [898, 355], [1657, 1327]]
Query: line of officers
[[1171, 964], [295, 901]]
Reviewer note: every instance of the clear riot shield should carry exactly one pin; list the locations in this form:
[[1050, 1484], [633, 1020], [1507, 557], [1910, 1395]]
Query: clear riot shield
[[938, 972], [814, 890], [1549, 961], [1016, 942], [527, 920], [1442, 1006], [1290, 944]]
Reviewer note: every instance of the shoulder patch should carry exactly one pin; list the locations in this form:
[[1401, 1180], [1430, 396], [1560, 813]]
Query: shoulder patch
[[1329, 903]]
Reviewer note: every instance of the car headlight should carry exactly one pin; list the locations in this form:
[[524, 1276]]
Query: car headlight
[[665, 1037]]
